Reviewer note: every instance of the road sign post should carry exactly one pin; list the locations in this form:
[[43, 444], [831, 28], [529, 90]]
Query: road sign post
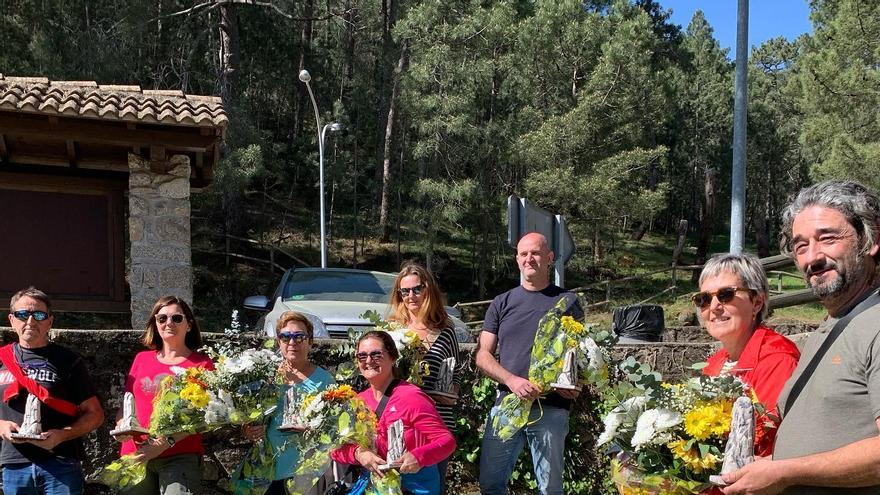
[[524, 217]]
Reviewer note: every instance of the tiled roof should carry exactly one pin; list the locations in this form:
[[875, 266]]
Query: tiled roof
[[89, 99]]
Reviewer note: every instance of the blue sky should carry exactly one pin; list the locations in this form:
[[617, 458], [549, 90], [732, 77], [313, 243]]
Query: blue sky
[[767, 18]]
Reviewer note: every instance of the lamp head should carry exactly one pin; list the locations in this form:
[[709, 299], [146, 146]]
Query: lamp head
[[304, 76], [335, 127]]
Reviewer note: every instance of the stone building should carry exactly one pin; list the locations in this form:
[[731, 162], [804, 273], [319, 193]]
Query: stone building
[[95, 184]]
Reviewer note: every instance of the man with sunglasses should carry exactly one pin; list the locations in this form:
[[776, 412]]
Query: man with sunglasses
[[510, 326], [829, 438], [69, 407]]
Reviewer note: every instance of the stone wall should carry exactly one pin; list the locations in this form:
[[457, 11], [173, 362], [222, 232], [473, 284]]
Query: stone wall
[[109, 354], [159, 232]]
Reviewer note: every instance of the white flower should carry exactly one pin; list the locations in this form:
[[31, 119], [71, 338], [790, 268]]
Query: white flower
[[627, 411], [177, 370], [219, 407], [652, 425], [595, 359]]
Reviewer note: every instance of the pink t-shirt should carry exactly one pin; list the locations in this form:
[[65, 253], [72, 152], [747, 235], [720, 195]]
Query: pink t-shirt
[[143, 381]]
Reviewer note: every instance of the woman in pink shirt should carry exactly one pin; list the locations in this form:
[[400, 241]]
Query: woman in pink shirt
[[427, 440], [173, 462]]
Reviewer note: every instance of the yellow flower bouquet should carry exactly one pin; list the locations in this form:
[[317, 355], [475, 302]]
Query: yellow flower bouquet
[[180, 403], [333, 418], [557, 333], [669, 438]]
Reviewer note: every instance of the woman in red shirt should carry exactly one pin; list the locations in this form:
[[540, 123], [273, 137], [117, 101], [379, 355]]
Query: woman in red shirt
[[733, 303], [173, 463], [427, 441]]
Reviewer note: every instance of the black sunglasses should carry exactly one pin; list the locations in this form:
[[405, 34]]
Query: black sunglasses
[[725, 294], [297, 338], [415, 290], [373, 356], [23, 315], [176, 318]]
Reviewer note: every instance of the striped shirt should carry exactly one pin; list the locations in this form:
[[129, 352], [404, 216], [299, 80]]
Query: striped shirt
[[444, 347]]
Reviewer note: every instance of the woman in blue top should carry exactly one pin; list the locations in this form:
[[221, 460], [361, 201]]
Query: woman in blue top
[[295, 336]]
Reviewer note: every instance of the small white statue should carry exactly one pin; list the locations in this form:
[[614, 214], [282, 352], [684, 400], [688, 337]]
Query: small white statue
[[568, 377], [290, 419], [396, 445], [129, 425], [740, 448], [31, 427]]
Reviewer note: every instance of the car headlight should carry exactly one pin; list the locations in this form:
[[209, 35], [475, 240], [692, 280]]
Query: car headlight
[[319, 330]]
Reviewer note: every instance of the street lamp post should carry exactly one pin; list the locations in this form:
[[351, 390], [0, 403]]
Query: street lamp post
[[305, 77]]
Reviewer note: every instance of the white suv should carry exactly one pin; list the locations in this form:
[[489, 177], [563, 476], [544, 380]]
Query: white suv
[[334, 299]]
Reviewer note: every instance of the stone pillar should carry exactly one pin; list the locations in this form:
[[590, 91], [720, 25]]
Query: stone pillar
[[159, 231]]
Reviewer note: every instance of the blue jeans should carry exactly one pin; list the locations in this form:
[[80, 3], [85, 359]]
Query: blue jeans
[[546, 438], [55, 476]]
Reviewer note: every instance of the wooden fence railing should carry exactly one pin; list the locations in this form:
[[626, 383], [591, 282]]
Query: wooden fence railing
[[778, 298]]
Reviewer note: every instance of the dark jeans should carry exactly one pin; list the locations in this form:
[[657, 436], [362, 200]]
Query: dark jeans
[[442, 466], [54, 476]]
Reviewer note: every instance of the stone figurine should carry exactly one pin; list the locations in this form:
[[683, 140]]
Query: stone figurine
[[740, 449], [443, 384], [31, 427], [396, 447], [130, 424], [568, 377], [290, 420]]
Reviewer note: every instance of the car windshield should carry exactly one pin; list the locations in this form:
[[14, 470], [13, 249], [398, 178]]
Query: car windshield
[[338, 286]]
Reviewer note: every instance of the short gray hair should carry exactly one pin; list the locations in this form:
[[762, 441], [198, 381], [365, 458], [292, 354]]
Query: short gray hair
[[858, 204], [33, 293], [745, 266]]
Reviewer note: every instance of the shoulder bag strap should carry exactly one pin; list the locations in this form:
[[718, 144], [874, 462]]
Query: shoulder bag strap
[[21, 380], [871, 300], [385, 396]]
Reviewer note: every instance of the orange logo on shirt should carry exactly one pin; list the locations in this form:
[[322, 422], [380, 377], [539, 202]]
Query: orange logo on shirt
[[836, 359]]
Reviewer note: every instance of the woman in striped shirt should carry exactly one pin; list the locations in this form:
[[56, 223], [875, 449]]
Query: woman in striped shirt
[[417, 304]]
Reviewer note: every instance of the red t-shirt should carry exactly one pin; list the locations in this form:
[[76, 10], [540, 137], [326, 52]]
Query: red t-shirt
[[143, 381], [765, 364]]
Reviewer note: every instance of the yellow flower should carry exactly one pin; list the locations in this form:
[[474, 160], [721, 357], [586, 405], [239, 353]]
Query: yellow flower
[[308, 400], [708, 419], [692, 458], [571, 343], [571, 326], [195, 394]]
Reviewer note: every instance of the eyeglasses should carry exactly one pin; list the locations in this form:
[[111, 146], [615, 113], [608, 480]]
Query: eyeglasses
[[362, 357], [176, 318], [297, 338], [725, 294], [23, 315], [415, 290]]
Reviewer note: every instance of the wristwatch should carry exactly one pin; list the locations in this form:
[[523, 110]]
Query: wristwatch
[[170, 441]]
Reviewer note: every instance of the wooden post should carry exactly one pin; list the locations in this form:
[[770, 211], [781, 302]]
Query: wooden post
[[226, 249], [679, 244], [608, 290]]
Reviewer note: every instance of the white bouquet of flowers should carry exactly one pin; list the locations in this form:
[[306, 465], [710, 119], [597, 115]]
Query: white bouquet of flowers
[[243, 387]]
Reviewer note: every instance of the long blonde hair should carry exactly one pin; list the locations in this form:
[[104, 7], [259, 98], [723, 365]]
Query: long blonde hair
[[432, 312]]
